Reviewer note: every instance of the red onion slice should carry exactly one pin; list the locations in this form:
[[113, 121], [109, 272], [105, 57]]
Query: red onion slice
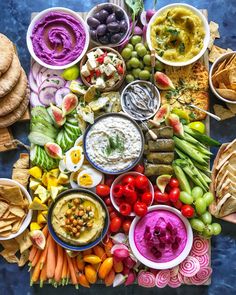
[[48, 73], [60, 94], [200, 246], [47, 95], [56, 81], [34, 100], [32, 83], [35, 68], [203, 259], [174, 282], [163, 278], [202, 276], [189, 267], [146, 279]]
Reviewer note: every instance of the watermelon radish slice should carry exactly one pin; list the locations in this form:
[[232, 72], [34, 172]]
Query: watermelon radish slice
[[146, 279], [174, 282], [57, 82], [186, 281], [47, 95], [203, 259], [202, 276], [163, 278], [189, 267], [32, 83], [34, 99], [200, 246], [60, 94]]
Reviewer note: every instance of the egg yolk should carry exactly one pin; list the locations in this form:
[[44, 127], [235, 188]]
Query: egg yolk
[[75, 156], [85, 180]]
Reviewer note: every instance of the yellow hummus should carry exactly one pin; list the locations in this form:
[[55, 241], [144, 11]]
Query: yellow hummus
[[80, 222], [177, 34]]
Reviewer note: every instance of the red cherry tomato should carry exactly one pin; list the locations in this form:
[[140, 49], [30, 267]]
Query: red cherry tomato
[[108, 201], [147, 198], [139, 168], [141, 182], [118, 191], [126, 225], [130, 194], [125, 209], [187, 211], [161, 197], [128, 179], [173, 182], [167, 189], [156, 188], [178, 204], [109, 179], [115, 224], [113, 215], [140, 208], [119, 201], [174, 194], [110, 209], [102, 190]]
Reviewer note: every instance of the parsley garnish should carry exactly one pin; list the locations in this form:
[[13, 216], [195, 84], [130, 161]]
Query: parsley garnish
[[173, 32], [192, 115], [114, 144], [181, 48]]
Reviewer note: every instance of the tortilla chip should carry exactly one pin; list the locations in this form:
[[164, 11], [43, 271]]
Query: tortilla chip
[[214, 29], [10, 218], [217, 52], [6, 214], [12, 194], [11, 245], [24, 258], [3, 208], [232, 75], [231, 61], [17, 211], [222, 112], [9, 257], [24, 241], [21, 176], [227, 93], [4, 223], [5, 228], [222, 85], [22, 162], [16, 225]]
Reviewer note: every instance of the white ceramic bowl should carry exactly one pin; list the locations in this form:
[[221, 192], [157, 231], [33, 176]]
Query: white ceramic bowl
[[177, 260], [41, 15], [206, 38], [118, 180], [158, 98], [26, 222], [98, 8], [212, 71]]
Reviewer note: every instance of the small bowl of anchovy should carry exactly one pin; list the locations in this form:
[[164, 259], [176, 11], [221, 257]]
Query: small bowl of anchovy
[[140, 100]]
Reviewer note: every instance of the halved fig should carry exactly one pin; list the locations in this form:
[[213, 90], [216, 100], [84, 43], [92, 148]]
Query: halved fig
[[38, 239], [174, 121], [162, 181], [163, 82], [57, 116], [69, 103], [53, 150], [162, 113]]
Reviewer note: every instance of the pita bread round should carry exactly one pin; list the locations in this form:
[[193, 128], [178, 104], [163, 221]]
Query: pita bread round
[[17, 113], [9, 79], [6, 56], [13, 99]]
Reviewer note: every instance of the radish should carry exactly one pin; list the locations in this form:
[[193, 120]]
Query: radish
[[48, 73], [118, 247], [202, 276], [163, 278], [119, 279], [146, 279], [138, 31], [119, 238], [35, 70], [47, 95], [129, 262], [60, 94], [120, 254], [130, 279], [174, 282], [189, 267], [32, 83], [149, 14], [200, 246]]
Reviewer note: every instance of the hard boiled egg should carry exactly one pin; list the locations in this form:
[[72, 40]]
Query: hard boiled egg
[[89, 178], [79, 141], [74, 158]]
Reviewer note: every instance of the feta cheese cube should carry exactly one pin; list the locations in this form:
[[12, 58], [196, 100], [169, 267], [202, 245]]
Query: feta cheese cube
[[85, 71], [92, 64], [102, 68], [93, 80], [107, 60], [99, 52], [91, 55], [110, 69], [112, 55], [110, 82], [116, 61], [100, 82]]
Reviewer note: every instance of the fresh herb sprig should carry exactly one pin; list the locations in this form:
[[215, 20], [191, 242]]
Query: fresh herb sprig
[[115, 143]]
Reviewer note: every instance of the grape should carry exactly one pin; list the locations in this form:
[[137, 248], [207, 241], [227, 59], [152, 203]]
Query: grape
[[136, 39], [134, 54], [126, 53], [197, 224], [186, 198], [135, 72], [129, 45], [197, 192], [147, 59], [149, 69], [137, 45], [134, 62], [141, 65], [144, 75], [159, 66], [209, 198], [208, 230], [206, 217], [129, 78], [146, 45], [128, 65], [141, 51], [216, 228], [200, 206]]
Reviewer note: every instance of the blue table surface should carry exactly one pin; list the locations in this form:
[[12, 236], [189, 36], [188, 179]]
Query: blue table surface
[[14, 20]]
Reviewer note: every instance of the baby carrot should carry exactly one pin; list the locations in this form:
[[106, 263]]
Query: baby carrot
[[43, 275], [51, 258], [64, 269], [33, 252], [35, 275], [59, 265], [72, 271]]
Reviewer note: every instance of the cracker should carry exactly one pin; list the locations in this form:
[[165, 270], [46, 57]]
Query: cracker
[[3, 208], [232, 107], [222, 112], [6, 56], [24, 241], [22, 162], [216, 52], [17, 211], [6, 228], [12, 194], [24, 258], [21, 176], [9, 257], [227, 93]]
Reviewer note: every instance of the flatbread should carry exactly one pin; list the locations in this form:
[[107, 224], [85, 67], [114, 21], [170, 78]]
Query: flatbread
[[21, 176], [6, 56], [14, 98], [16, 114], [12, 194], [9, 79], [22, 162]]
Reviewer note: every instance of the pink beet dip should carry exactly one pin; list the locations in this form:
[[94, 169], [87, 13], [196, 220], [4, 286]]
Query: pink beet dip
[[160, 236]]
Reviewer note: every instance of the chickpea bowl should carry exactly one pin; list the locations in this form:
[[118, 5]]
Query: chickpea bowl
[[78, 219]]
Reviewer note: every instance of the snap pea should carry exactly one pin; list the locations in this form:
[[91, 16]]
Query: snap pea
[[203, 138], [183, 181]]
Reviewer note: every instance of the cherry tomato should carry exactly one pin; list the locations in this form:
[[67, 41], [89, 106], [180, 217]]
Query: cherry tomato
[[109, 179], [174, 194], [102, 190], [141, 182], [161, 197], [115, 224], [128, 179], [113, 215], [140, 208], [173, 182], [130, 194], [110, 209], [178, 204], [118, 191], [168, 189], [187, 211], [126, 225], [147, 198], [119, 200], [156, 188], [139, 168], [108, 201], [125, 208]]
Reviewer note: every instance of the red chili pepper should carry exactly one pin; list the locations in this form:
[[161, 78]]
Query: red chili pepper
[[98, 73], [120, 70], [100, 59]]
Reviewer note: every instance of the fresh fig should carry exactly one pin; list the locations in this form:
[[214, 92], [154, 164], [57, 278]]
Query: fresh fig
[[174, 121], [162, 113], [162, 182], [38, 239], [57, 115], [53, 150], [163, 82], [69, 103]]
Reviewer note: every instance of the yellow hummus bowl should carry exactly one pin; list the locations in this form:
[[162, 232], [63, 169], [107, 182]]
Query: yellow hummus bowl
[[69, 228]]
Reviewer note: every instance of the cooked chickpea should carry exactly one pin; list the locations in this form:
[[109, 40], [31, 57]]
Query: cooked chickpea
[[88, 208], [78, 227], [68, 212], [81, 206], [85, 216], [90, 224], [75, 222], [77, 234], [91, 214], [73, 208], [81, 213], [67, 221], [82, 228], [80, 222], [76, 201], [71, 218], [74, 230]]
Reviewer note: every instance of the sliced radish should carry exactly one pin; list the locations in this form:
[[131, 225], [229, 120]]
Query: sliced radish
[[186, 280], [174, 271], [48, 73], [200, 246], [47, 95], [32, 83], [60, 94], [202, 276], [35, 70], [118, 247], [56, 81], [180, 277], [163, 278], [119, 238], [189, 267], [34, 99], [146, 279], [174, 282], [203, 259]]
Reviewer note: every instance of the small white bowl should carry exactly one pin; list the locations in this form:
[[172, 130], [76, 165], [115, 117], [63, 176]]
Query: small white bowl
[[26, 222], [212, 71], [98, 8], [118, 180], [41, 15], [177, 260], [205, 42]]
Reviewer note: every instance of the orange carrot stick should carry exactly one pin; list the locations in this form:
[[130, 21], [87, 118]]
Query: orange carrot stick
[[33, 252], [51, 258], [44, 254], [36, 258], [59, 265], [64, 269], [35, 275], [45, 231], [43, 275], [72, 271]]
